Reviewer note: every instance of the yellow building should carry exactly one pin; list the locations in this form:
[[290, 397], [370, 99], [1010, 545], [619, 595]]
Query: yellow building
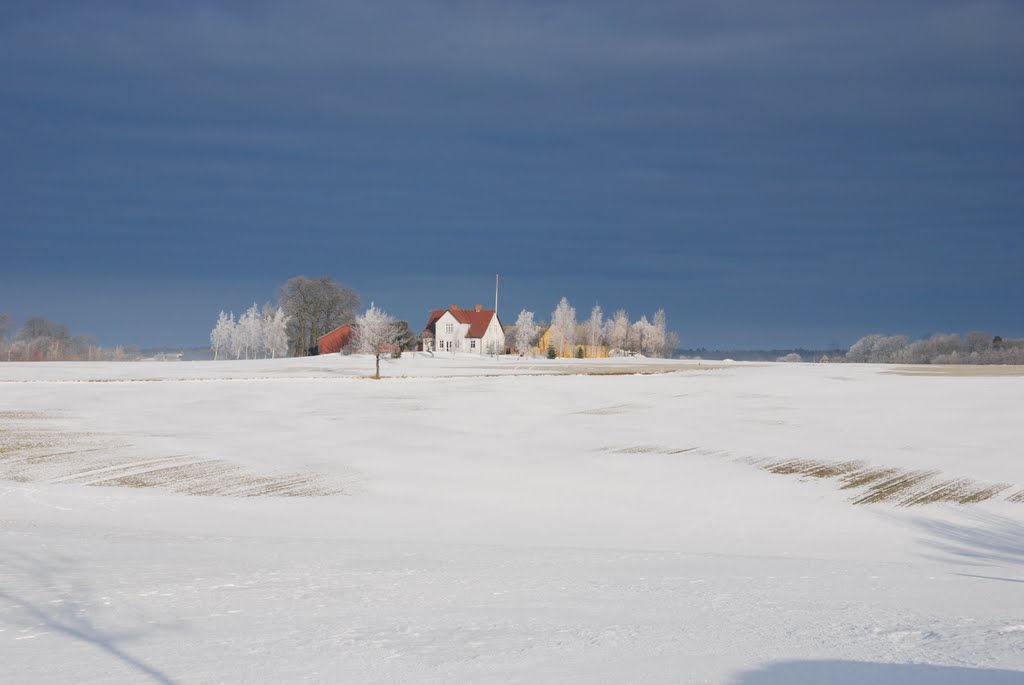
[[588, 351]]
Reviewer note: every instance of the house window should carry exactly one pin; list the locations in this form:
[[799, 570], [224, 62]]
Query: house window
[[449, 328], [472, 344]]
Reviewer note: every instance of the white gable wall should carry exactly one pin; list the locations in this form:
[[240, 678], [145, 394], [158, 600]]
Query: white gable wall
[[494, 338], [451, 336]]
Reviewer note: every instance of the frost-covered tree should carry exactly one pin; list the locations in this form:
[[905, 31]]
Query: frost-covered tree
[[671, 344], [563, 326], [275, 333], [616, 330], [257, 333], [250, 331], [5, 323], [236, 345], [639, 340], [220, 336], [659, 335], [877, 349], [941, 348], [977, 342], [526, 333], [595, 327], [377, 333], [266, 319]]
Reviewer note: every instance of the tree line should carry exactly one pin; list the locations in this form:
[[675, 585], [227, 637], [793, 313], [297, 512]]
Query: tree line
[[976, 347], [306, 309], [39, 339], [617, 333], [257, 333]]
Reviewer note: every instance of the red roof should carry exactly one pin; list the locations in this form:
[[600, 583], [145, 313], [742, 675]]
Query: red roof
[[478, 320], [434, 316], [332, 342]]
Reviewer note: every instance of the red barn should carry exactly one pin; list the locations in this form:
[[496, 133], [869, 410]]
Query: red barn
[[334, 341]]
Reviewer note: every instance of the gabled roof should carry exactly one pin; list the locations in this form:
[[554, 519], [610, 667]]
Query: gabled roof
[[434, 316], [335, 340], [346, 328], [478, 320]]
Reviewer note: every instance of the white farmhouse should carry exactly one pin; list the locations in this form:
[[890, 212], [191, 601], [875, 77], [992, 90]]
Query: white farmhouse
[[474, 330]]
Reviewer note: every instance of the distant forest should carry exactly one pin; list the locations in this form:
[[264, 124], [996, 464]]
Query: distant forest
[[39, 339], [784, 354], [977, 347]]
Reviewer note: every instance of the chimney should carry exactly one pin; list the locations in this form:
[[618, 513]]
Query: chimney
[[479, 307], [454, 307]]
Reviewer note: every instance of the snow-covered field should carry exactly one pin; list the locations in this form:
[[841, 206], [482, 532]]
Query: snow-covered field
[[472, 520]]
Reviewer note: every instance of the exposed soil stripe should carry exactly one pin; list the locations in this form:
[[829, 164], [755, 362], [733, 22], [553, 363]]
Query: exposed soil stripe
[[32, 451], [873, 484]]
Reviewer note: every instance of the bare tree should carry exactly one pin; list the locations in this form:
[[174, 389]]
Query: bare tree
[[377, 333], [43, 339], [38, 327], [315, 306]]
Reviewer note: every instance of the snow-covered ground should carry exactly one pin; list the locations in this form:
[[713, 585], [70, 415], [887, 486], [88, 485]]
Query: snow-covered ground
[[473, 520]]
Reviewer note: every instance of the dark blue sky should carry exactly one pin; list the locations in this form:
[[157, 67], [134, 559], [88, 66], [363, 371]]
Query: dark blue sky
[[771, 173]]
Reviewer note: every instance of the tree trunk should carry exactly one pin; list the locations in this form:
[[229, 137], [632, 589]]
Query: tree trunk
[[377, 374]]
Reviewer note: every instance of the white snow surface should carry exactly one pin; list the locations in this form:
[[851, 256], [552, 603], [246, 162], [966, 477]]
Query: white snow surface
[[491, 521]]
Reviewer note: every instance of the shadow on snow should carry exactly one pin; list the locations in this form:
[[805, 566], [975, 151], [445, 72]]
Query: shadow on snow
[[979, 540], [55, 599], [861, 672]]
